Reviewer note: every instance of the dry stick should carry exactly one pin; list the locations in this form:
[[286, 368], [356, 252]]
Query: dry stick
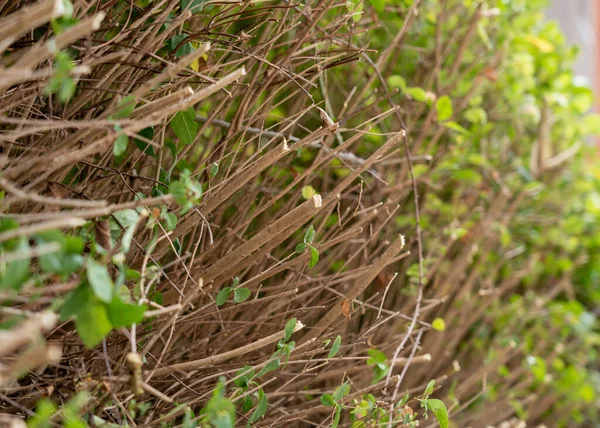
[[97, 212], [43, 51], [19, 194], [26, 332], [217, 359], [241, 178], [25, 19], [359, 287], [60, 223], [344, 156], [172, 70], [291, 220], [69, 156]]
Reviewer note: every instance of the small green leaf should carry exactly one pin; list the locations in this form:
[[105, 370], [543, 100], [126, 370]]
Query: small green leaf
[[123, 314], [289, 329], [184, 125], [439, 410], [443, 106], [17, 272], [235, 282], [418, 94], [438, 324], [309, 235], [92, 323], [378, 5], [194, 5], [223, 296], [327, 400], [121, 142], [170, 220], [336, 417], [300, 248], [314, 257], [124, 108], [76, 301], [273, 364], [261, 408], [308, 192], [397, 82], [177, 189], [341, 391], [147, 134], [214, 169], [243, 375], [456, 127], [240, 294], [100, 280], [429, 388], [335, 348]]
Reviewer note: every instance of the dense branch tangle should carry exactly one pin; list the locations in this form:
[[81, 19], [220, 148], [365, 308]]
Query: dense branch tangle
[[285, 100]]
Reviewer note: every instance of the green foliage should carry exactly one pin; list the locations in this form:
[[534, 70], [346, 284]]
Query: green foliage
[[186, 191], [378, 360], [240, 294], [335, 347], [185, 126], [61, 82], [309, 237]]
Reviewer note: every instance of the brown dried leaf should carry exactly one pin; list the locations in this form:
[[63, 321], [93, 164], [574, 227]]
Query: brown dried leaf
[[346, 307]]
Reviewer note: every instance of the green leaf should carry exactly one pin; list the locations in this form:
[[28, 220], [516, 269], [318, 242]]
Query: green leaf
[[309, 235], [121, 142], [170, 220], [308, 192], [341, 391], [148, 134], [194, 5], [240, 294], [76, 301], [214, 169], [177, 189], [336, 417], [456, 127], [335, 348], [289, 329], [429, 388], [327, 400], [184, 125], [243, 375], [17, 272], [439, 410], [443, 106], [397, 82], [235, 282], [261, 408], [314, 257], [438, 324], [92, 323], [418, 94], [122, 314], [100, 280], [124, 108], [378, 5], [223, 296], [376, 357], [300, 248], [273, 364]]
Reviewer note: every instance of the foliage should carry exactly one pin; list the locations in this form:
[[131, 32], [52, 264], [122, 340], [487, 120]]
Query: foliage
[[143, 169]]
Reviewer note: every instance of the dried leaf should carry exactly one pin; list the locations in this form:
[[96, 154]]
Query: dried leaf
[[346, 307]]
